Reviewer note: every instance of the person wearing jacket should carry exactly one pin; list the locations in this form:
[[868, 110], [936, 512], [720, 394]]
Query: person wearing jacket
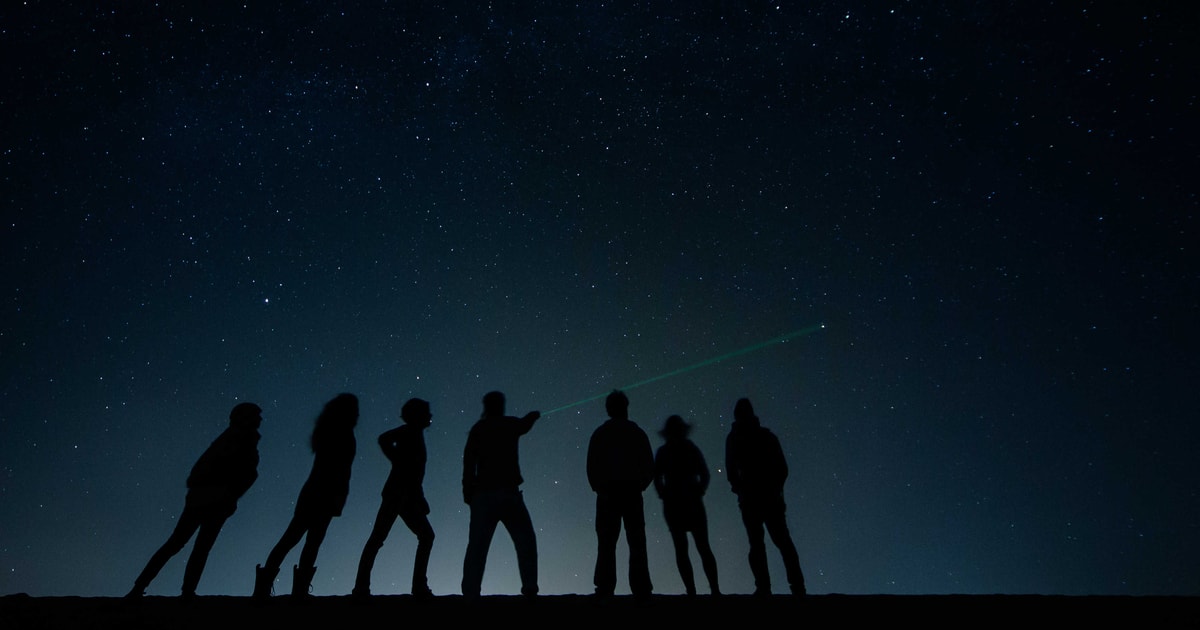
[[620, 466], [491, 486], [757, 469], [218, 479]]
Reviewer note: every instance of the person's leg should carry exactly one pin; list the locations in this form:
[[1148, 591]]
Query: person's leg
[[210, 527], [634, 516], [520, 528], [479, 539], [758, 550], [419, 525], [302, 573], [608, 531], [313, 540], [291, 536], [384, 520], [707, 559], [679, 541], [777, 527], [188, 523]]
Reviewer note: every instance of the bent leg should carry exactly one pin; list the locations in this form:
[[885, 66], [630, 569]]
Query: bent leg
[[419, 524], [384, 520]]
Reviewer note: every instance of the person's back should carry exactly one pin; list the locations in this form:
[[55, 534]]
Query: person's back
[[619, 457], [491, 459], [226, 470], [755, 461], [680, 470]]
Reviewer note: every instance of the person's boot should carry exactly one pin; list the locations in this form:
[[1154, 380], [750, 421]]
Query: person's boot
[[264, 581], [301, 580]]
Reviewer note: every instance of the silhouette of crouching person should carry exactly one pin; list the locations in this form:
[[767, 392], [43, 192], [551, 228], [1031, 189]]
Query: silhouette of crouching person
[[219, 478], [403, 497], [321, 498]]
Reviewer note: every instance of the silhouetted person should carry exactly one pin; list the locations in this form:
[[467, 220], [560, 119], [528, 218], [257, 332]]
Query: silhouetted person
[[620, 466], [681, 478], [322, 497], [491, 480], [403, 497], [757, 469], [220, 477]]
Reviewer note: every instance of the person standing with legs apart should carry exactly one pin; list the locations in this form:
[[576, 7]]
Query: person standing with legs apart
[[620, 466], [220, 477], [491, 486], [322, 497], [403, 497], [757, 469], [681, 479]]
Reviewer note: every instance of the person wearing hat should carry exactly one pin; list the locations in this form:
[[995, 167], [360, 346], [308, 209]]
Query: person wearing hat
[[220, 477], [681, 478]]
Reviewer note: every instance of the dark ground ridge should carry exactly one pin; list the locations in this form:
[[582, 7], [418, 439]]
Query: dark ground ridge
[[670, 612]]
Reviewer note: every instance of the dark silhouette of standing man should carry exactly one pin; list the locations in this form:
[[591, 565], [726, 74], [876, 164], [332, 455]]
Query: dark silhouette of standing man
[[681, 479], [620, 465], [321, 498], [757, 469], [220, 477], [491, 481], [403, 497]]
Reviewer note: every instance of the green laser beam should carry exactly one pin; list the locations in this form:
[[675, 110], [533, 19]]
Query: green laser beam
[[694, 366]]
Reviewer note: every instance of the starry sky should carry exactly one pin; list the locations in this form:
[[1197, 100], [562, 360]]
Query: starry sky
[[991, 208]]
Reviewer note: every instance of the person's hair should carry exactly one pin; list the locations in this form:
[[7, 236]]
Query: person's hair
[[493, 404], [617, 404], [339, 414]]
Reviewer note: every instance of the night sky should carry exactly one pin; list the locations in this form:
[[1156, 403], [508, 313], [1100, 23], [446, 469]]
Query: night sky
[[991, 207]]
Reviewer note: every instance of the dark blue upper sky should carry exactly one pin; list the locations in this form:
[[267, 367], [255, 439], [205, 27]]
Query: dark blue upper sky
[[990, 206]]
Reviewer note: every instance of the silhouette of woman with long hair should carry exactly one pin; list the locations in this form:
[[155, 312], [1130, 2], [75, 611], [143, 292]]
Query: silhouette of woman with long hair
[[322, 497]]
